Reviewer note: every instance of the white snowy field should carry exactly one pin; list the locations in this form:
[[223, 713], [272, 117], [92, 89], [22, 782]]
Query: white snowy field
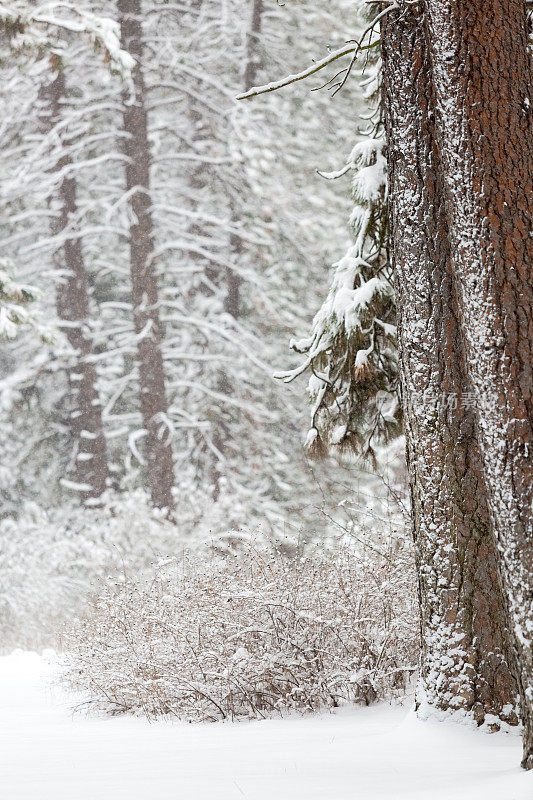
[[378, 753]]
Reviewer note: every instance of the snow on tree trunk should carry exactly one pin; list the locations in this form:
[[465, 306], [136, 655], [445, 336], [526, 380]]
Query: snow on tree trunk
[[72, 302], [483, 81], [465, 650], [145, 298]]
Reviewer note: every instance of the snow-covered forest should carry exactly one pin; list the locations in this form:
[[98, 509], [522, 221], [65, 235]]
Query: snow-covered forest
[[266, 392]]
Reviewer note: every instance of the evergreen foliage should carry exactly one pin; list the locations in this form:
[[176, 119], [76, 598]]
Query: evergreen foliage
[[352, 350]]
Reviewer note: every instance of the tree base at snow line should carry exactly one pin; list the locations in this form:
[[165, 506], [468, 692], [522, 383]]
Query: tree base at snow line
[[461, 708]]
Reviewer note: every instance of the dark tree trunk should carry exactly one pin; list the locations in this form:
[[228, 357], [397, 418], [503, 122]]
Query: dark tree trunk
[[145, 297], [72, 302], [465, 651], [483, 81]]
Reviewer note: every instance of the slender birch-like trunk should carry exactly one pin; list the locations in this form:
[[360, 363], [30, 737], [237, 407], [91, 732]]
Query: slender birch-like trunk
[[72, 303], [145, 297], [465, 651], [483, 78]]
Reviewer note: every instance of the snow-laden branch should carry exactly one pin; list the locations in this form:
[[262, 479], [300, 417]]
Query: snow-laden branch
[[353, 49], [24, 26], [300, 76], [14, 301]]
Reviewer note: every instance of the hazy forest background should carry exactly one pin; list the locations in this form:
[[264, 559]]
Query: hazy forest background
[[242, 234], [265, 358]]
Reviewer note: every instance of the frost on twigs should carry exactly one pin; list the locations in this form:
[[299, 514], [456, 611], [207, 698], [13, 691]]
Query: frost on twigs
[[51, 560], [251, 636], [351, 353]]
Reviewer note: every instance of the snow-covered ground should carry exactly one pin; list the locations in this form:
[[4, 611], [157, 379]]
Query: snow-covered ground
[[379, 753]]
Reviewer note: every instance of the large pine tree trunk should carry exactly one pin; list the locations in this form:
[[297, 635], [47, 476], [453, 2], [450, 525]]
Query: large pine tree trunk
[[72, 302], [145, 297], [484, 87], [465, 650]]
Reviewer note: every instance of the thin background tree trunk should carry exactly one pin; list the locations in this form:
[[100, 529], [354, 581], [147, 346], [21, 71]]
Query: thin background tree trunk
[[72, 302], [232, 297], [465, 650], [145, 297], [483, 77], [251, 67]]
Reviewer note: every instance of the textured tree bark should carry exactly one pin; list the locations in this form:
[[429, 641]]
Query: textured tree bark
[[145, 297], [72, 303], [483, 81], [465, 651]]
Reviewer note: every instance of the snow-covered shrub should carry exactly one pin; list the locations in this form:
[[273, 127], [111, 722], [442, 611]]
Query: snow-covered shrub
[[249, 635], [52, 560]]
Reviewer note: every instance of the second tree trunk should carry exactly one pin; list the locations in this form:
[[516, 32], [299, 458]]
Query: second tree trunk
[[145, 296]]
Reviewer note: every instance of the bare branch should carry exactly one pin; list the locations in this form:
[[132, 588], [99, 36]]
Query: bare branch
[[300, 76]]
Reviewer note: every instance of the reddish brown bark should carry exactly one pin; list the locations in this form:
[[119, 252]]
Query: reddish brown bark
[[72, 302], [145, 296], [483, 77], [465, 649]]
